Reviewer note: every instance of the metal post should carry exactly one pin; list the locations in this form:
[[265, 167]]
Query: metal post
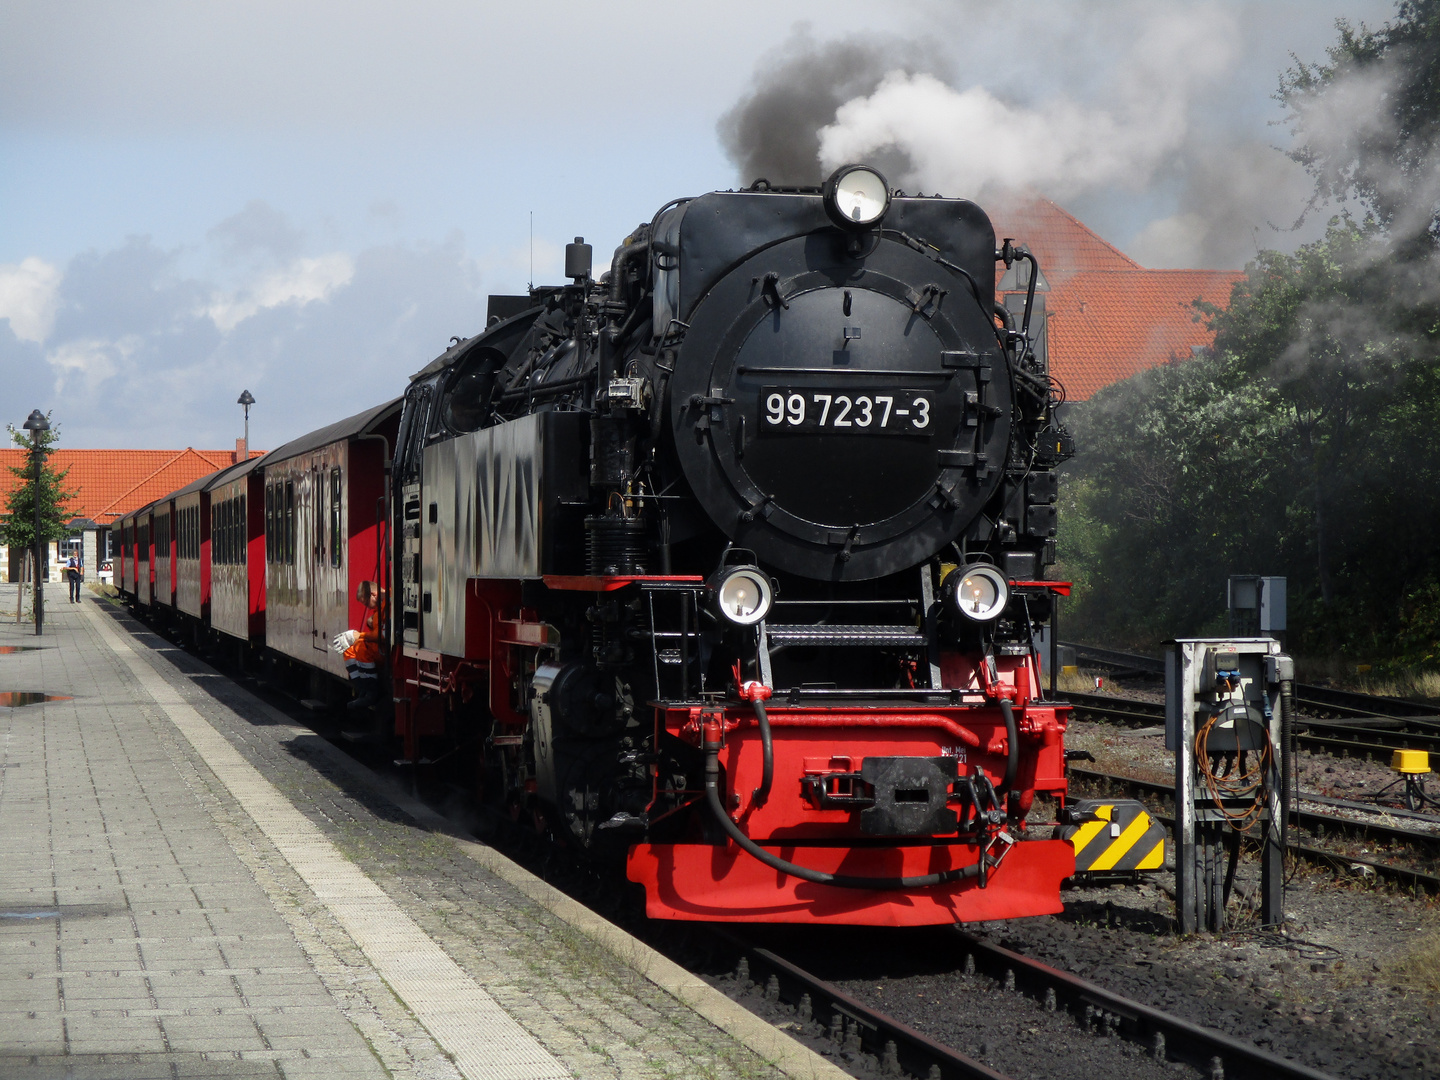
[[1054, 640], [246, 399]]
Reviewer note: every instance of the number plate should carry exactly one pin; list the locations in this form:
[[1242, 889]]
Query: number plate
[[787, 411]]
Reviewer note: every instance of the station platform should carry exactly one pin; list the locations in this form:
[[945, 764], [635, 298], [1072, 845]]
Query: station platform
[[192, 885]]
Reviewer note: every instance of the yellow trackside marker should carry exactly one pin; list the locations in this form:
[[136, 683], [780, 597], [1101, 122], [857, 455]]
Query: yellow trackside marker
[[1124, 843], [1092, 829], [1113, 835]]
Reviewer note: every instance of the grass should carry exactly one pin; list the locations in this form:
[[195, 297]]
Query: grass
[[1339, 671], [1419, 969], [1073, 682]]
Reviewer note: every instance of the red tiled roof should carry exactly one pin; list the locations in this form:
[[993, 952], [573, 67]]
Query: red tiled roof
[[1105, 326], [1062, 245], [111, 483], [1109, 317]]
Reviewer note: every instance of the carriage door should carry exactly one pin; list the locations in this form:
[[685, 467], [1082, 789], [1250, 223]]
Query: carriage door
[[319, 557]]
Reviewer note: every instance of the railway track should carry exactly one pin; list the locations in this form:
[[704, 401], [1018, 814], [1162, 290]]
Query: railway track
[[1321, 702], [1318, 825], [898, 1049], [1375, 736]]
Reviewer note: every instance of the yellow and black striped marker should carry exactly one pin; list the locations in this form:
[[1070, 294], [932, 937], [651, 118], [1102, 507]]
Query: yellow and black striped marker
[[1114, 835]]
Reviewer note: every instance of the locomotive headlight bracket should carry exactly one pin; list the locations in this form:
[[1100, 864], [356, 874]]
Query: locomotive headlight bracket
[[856, 197], [979, 591], [743, 594]]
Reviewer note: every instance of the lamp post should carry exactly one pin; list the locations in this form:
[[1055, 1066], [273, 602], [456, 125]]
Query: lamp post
[[246, 399], [37, 425]]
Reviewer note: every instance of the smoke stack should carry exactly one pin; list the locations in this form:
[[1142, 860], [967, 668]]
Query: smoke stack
[[241, 452]]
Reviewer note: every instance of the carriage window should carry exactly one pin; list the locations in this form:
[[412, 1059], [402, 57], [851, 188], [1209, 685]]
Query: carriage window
[[241, 533], [290, 522], [270, 523], [335, 493]]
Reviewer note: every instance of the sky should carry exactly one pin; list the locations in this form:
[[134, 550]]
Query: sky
[[308, 198]]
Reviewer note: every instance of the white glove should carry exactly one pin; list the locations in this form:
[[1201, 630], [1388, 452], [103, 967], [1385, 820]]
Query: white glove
[[344, 640]]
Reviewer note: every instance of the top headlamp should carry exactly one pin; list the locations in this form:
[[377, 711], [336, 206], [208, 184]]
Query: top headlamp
[[856, 197]]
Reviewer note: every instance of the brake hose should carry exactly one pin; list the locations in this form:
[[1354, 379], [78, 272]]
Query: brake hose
[[1012, 748], [819, 877], [767, 773]]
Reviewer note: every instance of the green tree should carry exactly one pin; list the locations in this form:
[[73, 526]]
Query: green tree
[[1164, 501], [1367, 122], [1306, 445], [18, 527]]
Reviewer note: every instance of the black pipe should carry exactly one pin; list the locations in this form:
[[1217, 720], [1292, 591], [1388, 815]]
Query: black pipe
[[1012, 750], [545, 388], [1029, 291], [623, 254], [767, 772], [818, 877]]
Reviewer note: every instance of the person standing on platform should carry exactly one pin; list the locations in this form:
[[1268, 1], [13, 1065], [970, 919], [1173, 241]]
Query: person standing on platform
[[74, 571]]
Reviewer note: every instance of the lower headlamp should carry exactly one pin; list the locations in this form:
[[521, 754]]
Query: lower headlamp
[[978, 591], [742, 594]]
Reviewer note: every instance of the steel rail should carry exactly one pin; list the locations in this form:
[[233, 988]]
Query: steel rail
[[1308, 820], [1165, 1036], [1131, 710], [1352, 736], [850, 1022], [1320, 699]]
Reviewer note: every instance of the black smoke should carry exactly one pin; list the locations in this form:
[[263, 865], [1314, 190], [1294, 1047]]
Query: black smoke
[[773, 132]]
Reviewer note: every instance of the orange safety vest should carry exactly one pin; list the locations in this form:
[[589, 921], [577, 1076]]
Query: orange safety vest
[[368, 648]]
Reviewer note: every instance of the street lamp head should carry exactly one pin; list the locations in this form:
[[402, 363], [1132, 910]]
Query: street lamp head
[[36, 423], [245, 399]]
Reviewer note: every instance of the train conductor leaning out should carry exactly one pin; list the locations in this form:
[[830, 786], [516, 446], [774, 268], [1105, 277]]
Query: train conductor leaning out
[[364, 649]]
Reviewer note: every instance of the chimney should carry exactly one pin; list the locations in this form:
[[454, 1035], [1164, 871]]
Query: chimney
[[241, 452]]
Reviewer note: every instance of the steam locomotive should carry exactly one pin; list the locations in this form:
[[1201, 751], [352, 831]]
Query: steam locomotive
[[726, 564]]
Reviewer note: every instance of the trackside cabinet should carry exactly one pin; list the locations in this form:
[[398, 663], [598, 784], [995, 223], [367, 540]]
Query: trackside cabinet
[[1223, 720]]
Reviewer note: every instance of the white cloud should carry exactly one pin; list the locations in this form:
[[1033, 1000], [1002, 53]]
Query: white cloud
[[90, 361], [27, 297], [300, 283]]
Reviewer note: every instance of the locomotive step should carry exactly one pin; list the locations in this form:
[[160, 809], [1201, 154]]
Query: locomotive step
[[845, 635]]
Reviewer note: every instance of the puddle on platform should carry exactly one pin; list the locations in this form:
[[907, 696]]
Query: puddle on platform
[[29, 914], [6, 650], [13, 699]]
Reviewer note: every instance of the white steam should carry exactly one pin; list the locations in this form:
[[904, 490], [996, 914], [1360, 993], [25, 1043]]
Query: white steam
[[970, 142]]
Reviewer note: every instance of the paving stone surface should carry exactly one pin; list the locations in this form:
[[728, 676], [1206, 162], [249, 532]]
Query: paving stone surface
[[149, 927]]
